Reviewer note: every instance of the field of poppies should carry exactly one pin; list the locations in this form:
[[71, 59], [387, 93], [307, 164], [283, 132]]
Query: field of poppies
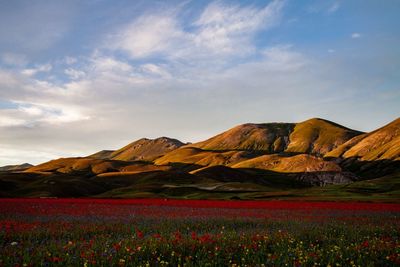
[[158, 232]]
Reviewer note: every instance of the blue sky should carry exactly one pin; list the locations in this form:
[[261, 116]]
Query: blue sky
[[80, 76]]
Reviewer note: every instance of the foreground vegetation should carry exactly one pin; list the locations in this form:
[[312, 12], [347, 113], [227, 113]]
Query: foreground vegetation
[[53, 232]]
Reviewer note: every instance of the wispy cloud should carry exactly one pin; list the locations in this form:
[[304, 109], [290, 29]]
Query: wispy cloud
[[74, 74], [356, 35], [221, 29], [149, 35], [37, 69], [229, 28]]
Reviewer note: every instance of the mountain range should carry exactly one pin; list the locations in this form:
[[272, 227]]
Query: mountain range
[[314, 159]]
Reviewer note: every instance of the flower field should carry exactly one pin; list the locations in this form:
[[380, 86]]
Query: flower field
[[158, 232]]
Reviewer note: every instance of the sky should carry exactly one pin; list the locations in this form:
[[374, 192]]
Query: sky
[[77, 76]]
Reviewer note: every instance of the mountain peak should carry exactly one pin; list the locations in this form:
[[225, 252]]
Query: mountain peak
[[268, 137], [146, 149], [19, 167]]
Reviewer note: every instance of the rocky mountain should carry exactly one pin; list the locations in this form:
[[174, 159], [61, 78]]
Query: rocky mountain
[[248, 161], [20, 167]]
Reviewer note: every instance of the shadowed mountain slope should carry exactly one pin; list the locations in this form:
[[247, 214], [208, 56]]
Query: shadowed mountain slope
[[103, 154], [89, 166], [192, 155], [297, 163], [20, 167]]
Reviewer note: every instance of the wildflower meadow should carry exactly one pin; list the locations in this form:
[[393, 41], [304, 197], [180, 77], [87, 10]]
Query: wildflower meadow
[[159, 232]]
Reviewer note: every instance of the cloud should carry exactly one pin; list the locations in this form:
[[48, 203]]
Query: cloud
[[37, 69], [70, 60], [108, 64], [148, 35], [224, 28], [74, 74], [7, 120], [355, 35], [14, 59], [157, 70], [221, 29]]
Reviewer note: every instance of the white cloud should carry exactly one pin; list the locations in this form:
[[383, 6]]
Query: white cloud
[[331, 51], [7, 121], [31, 110], [37, 69], [355, 35], [221, 30], [157, 70], [148, 35], [74, 74], [106, 64]]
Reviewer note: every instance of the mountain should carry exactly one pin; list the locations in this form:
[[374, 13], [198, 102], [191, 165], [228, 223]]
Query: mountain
[[250, 161], [293, 164], [314, 136], [78, 166], [20, 167], [103, 154], [318, 137], [89, 166], [146, 149], [266, 137], [381, 144], [197, 156]]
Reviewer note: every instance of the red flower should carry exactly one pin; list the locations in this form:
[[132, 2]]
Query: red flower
[[56, 259], [194, 236], [139, 234], [117, 246]]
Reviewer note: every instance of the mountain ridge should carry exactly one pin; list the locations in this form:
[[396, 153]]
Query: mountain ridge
[[247, 160]]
